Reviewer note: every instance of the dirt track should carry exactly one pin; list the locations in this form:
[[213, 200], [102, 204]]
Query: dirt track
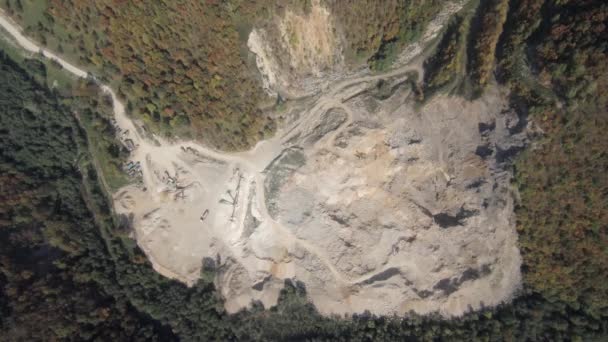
[[196, 202]]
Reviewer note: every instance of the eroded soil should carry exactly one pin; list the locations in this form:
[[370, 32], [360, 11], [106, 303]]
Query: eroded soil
[[373, 203]]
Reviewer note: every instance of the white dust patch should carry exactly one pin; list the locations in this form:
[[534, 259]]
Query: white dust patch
[[297, 52], [373, 204]]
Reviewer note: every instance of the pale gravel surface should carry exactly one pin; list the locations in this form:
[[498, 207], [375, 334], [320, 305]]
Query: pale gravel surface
[[386, 209]]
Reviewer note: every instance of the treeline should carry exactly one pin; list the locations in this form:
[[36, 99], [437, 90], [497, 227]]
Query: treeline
[[564, 212], [68, 271], [553, 56], [529, 318], [376, 31], [183, 66]]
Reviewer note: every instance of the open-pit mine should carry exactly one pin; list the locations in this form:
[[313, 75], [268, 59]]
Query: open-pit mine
[[370, 199]]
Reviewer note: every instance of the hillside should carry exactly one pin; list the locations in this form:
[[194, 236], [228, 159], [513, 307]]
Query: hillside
[[182, 66], [457, 192]]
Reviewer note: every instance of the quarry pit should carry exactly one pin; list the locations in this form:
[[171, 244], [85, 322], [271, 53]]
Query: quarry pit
[[372, 200]]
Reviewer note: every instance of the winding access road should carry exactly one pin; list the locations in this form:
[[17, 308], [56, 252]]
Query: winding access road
[[252, 162]]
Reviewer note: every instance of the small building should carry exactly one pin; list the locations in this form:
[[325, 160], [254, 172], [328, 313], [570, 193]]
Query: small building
[[129, 145]]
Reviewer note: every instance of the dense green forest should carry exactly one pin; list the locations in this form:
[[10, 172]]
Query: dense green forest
[[563, 218], [68, 271]]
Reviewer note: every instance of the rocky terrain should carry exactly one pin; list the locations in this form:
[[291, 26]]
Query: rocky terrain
[[297, 53], [371, 199]]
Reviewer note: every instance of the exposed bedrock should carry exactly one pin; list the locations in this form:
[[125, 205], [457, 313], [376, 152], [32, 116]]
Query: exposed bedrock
[[372, 200], [395, 210], [373, 204]]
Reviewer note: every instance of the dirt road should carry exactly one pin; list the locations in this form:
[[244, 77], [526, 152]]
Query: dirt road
[[196, 202], [251, 162]]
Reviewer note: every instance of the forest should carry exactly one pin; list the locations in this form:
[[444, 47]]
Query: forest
[[376, 31], [185, 81], [552, 56], [69, 271]]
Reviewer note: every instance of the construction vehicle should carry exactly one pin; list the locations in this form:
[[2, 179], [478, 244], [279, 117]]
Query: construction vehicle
[[204, 216]]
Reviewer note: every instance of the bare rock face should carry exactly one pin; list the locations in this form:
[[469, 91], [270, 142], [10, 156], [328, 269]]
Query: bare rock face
[[374, 202], [297, 52]]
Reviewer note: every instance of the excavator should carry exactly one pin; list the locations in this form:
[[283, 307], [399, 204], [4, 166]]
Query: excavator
[[204, 216]]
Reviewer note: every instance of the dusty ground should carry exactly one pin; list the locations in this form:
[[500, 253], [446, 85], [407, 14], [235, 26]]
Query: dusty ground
[[373, 203], [432, 31], [298, 53]]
